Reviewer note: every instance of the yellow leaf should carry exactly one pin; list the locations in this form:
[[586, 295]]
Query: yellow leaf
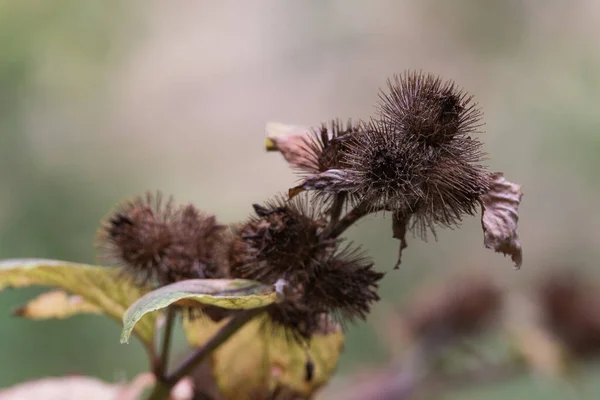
[[102, 287], [56, 304], [256, 360], [233, 294]]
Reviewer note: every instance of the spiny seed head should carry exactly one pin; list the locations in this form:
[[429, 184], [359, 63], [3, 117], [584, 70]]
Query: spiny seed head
[[341, 289], [384, 168], [326, 146], [281, 241], [569, 305], [137, 234], [419, 157], [460, 308], [431, 111], [196, 251], [345, 286], [159, 244], [293, 319], [452, 187]]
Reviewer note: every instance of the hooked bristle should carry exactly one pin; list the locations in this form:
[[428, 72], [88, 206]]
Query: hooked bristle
[[282, 241], [158, 244], [429, 110]]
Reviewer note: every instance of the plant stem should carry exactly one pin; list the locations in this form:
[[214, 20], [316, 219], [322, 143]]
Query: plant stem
[[362, 209], [163, 362], [231, 327], [161, 391], [165, 385], [337, 207]]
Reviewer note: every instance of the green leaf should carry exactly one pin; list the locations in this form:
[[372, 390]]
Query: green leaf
[[233, 294], [56, 304], [271, 361], [103, 287]]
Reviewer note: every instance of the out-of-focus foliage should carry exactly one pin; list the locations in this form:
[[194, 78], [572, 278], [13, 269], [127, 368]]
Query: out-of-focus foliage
[[51, 77], [103, 287]]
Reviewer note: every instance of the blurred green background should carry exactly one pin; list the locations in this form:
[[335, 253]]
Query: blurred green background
[[101, 100]]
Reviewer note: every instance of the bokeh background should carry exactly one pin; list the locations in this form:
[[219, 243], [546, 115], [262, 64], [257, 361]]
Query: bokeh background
[[101, 100]]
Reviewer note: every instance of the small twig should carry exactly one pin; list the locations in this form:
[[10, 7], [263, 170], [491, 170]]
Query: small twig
[[337, 207], [362, 209], [164, 387], [218, 339], [162, 363]]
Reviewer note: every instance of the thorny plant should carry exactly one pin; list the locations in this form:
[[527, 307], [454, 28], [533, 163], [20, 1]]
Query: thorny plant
[[288, 266]]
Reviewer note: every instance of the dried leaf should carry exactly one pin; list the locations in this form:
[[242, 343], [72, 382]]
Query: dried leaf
[[399, 222], [103, 287], [272, 362], [56, 304], [500, 217], [232, 294], [331, 181], [291, 141]]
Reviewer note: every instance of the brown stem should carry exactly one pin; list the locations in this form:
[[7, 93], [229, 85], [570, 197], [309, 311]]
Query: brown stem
[[236, 322], [162, 362], [362, 209], [337, 207], [163, 387]]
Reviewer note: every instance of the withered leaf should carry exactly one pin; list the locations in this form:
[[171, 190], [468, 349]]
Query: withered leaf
[[500, 217], [331, 181], [399, 222], [293, 142]]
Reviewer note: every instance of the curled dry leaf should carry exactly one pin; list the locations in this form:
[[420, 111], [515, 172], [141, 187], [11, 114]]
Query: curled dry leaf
[[399, 222], [291, 141], [500, 217], [56, 304], [331, 181]]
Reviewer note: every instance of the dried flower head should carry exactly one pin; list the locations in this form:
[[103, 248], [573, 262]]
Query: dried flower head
[[384, 168], [418, 158], [341, 291], [159, 244], [196, 251], [345, 286], [441, 119], [569, 305], [431, 111], [456, 309], [326, 146], [293, 318], [281, 241], [284, 241], [137, 234]]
